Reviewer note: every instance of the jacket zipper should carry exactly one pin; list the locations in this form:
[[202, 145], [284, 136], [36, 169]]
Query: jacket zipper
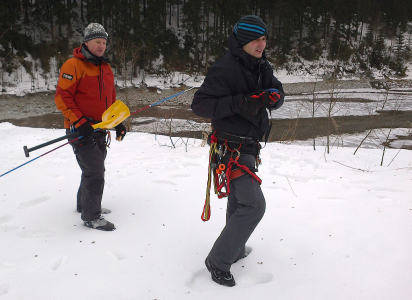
[[99, 81], [101, 84]]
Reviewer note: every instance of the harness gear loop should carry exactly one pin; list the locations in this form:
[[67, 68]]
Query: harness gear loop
[[108, 139]]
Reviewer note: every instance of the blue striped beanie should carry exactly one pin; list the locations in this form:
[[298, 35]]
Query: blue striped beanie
[[249, 28]]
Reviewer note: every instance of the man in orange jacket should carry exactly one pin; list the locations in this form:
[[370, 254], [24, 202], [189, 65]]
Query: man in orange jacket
[[84, 91]]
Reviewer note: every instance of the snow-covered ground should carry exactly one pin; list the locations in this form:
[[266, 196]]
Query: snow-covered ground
[[337, 226]]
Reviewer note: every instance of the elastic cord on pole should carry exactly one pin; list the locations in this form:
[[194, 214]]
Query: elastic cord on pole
[[39, 156]]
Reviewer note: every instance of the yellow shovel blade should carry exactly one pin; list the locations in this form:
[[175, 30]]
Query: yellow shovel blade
[[114, 115]]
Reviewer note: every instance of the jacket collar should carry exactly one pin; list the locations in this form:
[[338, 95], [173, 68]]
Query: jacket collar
[[83, 53]]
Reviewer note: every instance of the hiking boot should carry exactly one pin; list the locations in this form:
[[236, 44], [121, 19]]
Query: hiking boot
[[100, 224], [218, 276]]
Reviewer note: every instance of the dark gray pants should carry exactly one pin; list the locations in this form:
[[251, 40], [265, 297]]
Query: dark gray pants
[[245, 208], [91, 157]]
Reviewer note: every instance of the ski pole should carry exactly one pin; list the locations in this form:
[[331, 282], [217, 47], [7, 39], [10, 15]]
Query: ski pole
[[161, 101], [112, 116], [27, 150], [40, 156], [116, 115]]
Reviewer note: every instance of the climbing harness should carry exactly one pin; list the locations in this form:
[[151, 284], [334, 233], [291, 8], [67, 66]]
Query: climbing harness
[[222, 174]]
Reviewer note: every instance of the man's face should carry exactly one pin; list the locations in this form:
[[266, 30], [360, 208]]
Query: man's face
[[96, 46], [256, 47]]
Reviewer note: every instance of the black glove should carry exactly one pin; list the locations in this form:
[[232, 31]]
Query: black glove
[[120, 132], [86, 131], [251, 103], [270, 98]]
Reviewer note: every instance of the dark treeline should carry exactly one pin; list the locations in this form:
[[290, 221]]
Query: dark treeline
[[190, 34]]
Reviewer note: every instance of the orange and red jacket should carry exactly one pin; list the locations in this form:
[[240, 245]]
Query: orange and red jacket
[[84, 90]]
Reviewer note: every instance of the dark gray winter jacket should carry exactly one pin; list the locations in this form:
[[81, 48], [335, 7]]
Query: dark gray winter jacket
[[236, 74]]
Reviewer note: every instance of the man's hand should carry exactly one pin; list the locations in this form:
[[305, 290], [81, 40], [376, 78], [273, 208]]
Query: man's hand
[[270, 98], [252, 102], [86, 131], [120, 132]]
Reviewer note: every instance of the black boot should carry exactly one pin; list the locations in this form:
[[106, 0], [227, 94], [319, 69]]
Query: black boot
[[218, 276], [100, 224]]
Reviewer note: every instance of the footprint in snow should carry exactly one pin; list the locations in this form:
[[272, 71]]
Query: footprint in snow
[[7, 265], [4, 288], [58, 263], [249, 279], [33, 202], [200, 281], [5, 219], [25, 234], [164, 182], [117, 255], [6, 228]]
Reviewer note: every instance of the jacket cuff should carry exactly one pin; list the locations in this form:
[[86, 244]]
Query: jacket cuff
[[79, 122]]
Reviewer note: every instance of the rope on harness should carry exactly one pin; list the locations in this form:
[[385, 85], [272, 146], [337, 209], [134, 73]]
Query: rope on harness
[[206, 208], [222, 175]]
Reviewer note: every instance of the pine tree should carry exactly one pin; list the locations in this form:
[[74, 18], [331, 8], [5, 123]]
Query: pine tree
[[377, 58], [397, 63]]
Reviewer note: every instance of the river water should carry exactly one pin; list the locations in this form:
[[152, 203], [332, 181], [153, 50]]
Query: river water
[[303, 117]]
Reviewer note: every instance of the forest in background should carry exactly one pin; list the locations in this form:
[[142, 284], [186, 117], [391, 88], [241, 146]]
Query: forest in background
[[355, 36]]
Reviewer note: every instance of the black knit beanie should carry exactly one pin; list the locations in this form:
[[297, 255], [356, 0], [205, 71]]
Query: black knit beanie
[[249, 28]]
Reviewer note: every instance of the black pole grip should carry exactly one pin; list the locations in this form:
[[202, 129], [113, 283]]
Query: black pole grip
[[28, 150]]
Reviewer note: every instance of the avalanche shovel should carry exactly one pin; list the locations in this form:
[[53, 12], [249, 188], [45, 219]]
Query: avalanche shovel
[[112, 116]]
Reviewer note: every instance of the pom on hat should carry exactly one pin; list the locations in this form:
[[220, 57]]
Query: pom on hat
[[249, 28], [94, 31]]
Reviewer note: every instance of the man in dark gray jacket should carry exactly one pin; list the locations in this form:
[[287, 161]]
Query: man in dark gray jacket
[[236, 95]]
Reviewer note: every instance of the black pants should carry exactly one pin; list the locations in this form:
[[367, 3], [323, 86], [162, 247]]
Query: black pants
[[91, 156], [245, 208]]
